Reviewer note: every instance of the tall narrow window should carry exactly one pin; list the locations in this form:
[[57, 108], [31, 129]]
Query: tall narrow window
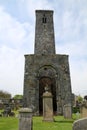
[[44, 19]]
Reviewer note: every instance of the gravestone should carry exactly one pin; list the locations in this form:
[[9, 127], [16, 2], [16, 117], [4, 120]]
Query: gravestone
[[25, 119], [67, 111], [80, 124], [83, 110], [47, 106]]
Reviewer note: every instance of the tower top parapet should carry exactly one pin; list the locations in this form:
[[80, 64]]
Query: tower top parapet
[[44, 11]]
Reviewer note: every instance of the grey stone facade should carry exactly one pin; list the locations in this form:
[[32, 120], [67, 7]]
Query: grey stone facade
[[46, 67], [44, 32]]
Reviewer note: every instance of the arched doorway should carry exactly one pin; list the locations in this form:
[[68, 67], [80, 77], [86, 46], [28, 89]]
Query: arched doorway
[[47, 76], [52, 88]]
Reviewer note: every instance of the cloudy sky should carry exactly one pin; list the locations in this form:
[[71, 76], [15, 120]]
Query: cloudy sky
[[17, 32]]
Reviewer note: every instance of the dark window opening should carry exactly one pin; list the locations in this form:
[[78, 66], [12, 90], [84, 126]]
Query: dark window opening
[[45, 68], [44, 20]]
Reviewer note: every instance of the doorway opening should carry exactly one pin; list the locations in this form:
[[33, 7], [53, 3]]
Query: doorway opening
[[52, 88]]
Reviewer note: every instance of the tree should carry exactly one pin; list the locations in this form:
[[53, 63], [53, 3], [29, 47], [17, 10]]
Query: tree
[[4, 94], [18, 96], [80, 99], [18, 101]]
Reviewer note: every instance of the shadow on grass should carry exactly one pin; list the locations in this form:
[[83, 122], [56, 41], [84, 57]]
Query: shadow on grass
[[64, 121]]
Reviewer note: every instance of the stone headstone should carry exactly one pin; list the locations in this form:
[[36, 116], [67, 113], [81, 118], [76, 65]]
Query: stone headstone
[[67, 111], [47, 107], [25, 119], [84, 110], [80, 124]]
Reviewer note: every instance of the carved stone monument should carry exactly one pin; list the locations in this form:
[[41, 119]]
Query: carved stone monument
[[47, 105], [67, 111], [83, 109], [25, 119], [46, 67]]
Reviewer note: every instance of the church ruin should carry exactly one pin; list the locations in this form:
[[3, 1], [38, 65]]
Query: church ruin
[[45, 67]]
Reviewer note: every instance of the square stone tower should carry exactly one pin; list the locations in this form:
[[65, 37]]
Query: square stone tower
[[44, 67]]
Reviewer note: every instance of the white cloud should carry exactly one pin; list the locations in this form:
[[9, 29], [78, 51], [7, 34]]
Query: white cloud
[[13, 33], [11, 70], [71, 20], [79, 77], [32, 5], [29, 6], [13, 39], [71, 39], [10, 29]]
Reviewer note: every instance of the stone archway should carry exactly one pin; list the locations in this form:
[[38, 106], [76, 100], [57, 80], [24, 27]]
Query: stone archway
[[52, 88], [47, 77]]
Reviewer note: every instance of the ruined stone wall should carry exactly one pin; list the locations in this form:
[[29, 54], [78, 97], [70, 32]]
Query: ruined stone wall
[[33, 63], [46, 66]]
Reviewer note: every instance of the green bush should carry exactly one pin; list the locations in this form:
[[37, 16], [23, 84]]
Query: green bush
[[75, 109]]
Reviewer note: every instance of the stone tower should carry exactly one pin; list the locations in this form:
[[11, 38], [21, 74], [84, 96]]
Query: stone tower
[[44, 67], [44, 35]]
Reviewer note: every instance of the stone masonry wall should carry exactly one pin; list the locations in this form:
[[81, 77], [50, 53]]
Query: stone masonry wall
[[44, 33], [46, 66], [31, 78]]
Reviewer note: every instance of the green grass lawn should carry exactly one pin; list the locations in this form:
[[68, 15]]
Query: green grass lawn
[[59, 124], [8, 123], [11, 123]]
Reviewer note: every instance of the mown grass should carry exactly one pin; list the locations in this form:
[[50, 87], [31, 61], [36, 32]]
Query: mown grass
[[59, 124], [8, 123], [11, 123]]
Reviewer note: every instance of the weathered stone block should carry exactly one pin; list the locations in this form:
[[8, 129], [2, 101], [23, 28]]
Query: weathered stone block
[[83, 111], [25, 119], [67, 111], [47, 107], [80, 124]]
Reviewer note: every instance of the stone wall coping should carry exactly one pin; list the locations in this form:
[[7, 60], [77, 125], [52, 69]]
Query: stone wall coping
[[63, 55], [25, 110], [44, 11]]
